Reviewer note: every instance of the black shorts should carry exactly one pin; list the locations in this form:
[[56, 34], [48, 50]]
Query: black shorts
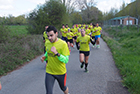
[[64, 38], [70, 40], [93, 37], [75, 37], [86, 53]]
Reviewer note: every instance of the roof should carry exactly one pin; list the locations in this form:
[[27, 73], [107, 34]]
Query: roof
[[122, 17]]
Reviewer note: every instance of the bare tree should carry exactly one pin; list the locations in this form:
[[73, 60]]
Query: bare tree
[[85, 4], [88, 9], [70, 5]]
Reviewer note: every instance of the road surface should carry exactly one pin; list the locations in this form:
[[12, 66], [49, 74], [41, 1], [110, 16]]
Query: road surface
[[103, 76]]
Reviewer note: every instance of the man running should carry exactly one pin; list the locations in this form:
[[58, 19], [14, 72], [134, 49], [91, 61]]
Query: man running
[[79, 33], [84, 49], [67, 27], [45, 38], [88, 31], [57, 54], [63, 31], [74, 31], [97, 31], [70, 39], [93, 34]]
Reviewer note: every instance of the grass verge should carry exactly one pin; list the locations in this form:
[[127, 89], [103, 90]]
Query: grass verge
[[125, 47]]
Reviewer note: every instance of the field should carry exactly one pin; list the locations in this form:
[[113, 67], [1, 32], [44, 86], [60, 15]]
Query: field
[[18, 48], [125, 47], [18, 30]]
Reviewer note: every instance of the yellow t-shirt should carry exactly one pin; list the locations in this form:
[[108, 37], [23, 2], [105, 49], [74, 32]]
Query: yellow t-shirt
[[63, 31], [78, 34], [98, 30], [93, 33], [70, 35], [79, 25], [54, 66], [67, 29], [84, 43], [45, 35], [74, 31], [90, 26], [87, 31]]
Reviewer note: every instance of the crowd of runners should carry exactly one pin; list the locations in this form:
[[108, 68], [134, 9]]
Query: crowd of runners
[[57, 50]]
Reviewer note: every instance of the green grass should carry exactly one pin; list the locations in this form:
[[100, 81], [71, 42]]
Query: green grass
[[125, 47], [18, 30], [18, 48]]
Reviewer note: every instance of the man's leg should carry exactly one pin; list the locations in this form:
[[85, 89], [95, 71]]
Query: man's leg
[[49, 83], [86, 60], [66, 91], [97, 42], [86, 63], [81, 57], [62, 82]]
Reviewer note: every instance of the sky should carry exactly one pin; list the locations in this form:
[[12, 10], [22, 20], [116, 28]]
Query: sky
[[19, 7]]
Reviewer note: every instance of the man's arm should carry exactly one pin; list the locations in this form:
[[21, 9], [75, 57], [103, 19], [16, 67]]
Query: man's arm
[[45, 57], [61, 57]]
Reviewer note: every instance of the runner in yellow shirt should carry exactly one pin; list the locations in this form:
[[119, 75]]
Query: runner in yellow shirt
[[45, 40], [70, 39], [74, 31], [79, 33], [63, 31], [67, 27], [87, 30], [57, 54], [93, 34], [97, 31], [45, 37], [84, 49], [90, 26]]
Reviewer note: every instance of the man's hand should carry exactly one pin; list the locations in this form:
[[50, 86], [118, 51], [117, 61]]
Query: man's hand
[[53, 49], [43, 58]]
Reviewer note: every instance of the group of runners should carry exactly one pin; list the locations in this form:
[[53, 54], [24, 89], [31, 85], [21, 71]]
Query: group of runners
[[57, 51]]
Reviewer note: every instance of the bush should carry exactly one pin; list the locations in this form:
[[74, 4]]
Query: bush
[[18, 50], [4, 33]]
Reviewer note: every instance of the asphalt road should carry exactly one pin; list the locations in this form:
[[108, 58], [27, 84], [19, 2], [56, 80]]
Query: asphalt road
[[103, 76]]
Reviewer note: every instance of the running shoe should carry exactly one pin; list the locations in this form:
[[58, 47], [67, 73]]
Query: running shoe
[[86, 70], [94, 45], [82, 65], [98, 46]]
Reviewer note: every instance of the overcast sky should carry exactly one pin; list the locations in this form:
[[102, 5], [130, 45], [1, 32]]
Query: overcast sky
[[18, 7]]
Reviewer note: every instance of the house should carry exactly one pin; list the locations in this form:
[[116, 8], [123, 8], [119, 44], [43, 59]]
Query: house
[[124, 20]]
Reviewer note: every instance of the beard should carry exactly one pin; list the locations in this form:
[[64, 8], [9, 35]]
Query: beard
[[53, 40]]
